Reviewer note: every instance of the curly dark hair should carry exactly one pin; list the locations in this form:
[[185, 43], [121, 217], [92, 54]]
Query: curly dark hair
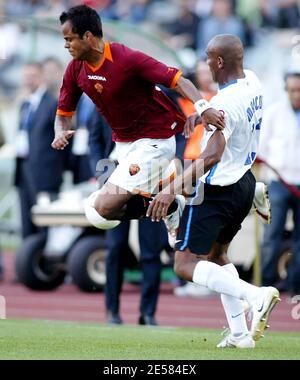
[[83, 19]]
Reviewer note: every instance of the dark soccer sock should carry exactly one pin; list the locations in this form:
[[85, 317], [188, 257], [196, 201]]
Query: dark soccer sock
[[137, 207]]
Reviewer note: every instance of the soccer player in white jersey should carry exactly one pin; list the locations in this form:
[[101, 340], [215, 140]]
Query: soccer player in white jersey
[[206, 229]]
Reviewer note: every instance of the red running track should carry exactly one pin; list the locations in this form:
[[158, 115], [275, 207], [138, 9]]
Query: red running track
[[68, 303]]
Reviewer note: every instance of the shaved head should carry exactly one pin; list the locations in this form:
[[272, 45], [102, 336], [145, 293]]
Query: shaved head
[[229, 47], [225, 55]]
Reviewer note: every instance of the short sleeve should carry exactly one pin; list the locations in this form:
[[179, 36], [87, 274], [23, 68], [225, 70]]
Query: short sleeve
[[152, 70], [229, 123], [70, 93]]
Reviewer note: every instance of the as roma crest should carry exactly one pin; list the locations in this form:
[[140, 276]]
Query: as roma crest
[[99, 87], [134, 169]]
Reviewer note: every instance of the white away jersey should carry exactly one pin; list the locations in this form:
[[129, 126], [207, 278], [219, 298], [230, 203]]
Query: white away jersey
[[241, 100]]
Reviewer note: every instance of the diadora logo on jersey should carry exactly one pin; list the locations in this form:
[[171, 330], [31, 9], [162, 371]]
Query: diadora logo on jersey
[[96, 77]]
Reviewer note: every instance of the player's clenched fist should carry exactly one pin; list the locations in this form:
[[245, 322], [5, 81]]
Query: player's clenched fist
[[214, 117], [61, 139]]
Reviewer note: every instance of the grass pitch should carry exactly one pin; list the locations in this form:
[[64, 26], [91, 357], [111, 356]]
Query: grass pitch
[[27, 339]]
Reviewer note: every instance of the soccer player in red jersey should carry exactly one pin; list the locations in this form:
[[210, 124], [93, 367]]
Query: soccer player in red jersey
[[122, 84]]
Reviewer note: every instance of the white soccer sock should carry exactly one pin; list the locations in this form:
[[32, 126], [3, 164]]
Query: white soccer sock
[[233, 308], [216, 278]]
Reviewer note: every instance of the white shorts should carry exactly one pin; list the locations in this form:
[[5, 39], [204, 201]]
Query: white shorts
[[143, 164]]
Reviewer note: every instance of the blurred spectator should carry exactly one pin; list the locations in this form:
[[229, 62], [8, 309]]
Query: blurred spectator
[[184, 29], [137, 11], [39, 168], [100, 139], [221, 21], [162, 12], [22, 8], [53, 73], [269, 13], [132, 11], [78, 160], [105, 8], [152, 238], [250, 15], [288, 16], [204, 80], [96, 4], [51, 9], [249, 11], [279, 147], [203, 7], [280, 13], [2, 141], [9, 51]]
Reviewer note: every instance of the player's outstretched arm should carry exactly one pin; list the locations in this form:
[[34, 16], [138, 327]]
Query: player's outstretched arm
[[182, 184], [63, 132], [204, 110]]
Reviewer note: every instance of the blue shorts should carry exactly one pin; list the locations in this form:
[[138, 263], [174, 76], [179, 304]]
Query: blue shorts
[[218, 218]]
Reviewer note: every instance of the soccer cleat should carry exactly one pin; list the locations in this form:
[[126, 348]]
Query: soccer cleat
[[261, 309], [243, 341], [172, 221], [261, 202]]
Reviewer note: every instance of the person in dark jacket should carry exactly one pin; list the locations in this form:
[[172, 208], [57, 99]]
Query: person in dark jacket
[[38, 168]]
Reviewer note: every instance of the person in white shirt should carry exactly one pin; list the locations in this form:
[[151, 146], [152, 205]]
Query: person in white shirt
[[279, 148], [207, 227]]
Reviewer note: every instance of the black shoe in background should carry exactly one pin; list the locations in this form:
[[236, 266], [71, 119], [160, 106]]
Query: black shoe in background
[[147, 320], [113, 319], [295, 293], [281, 285]]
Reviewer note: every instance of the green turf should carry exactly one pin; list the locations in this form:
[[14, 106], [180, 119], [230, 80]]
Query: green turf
[[21, 339]]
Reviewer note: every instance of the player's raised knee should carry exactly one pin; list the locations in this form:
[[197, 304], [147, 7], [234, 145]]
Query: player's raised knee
[[97, 219]]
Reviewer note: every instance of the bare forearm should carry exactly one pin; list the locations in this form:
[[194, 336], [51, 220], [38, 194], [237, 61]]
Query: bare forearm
[[183, 184], [187, 90], [62, 123], [63, 132], [203, 108]]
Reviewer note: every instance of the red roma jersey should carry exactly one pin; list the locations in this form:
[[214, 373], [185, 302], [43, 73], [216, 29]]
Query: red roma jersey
[[123, 88]]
